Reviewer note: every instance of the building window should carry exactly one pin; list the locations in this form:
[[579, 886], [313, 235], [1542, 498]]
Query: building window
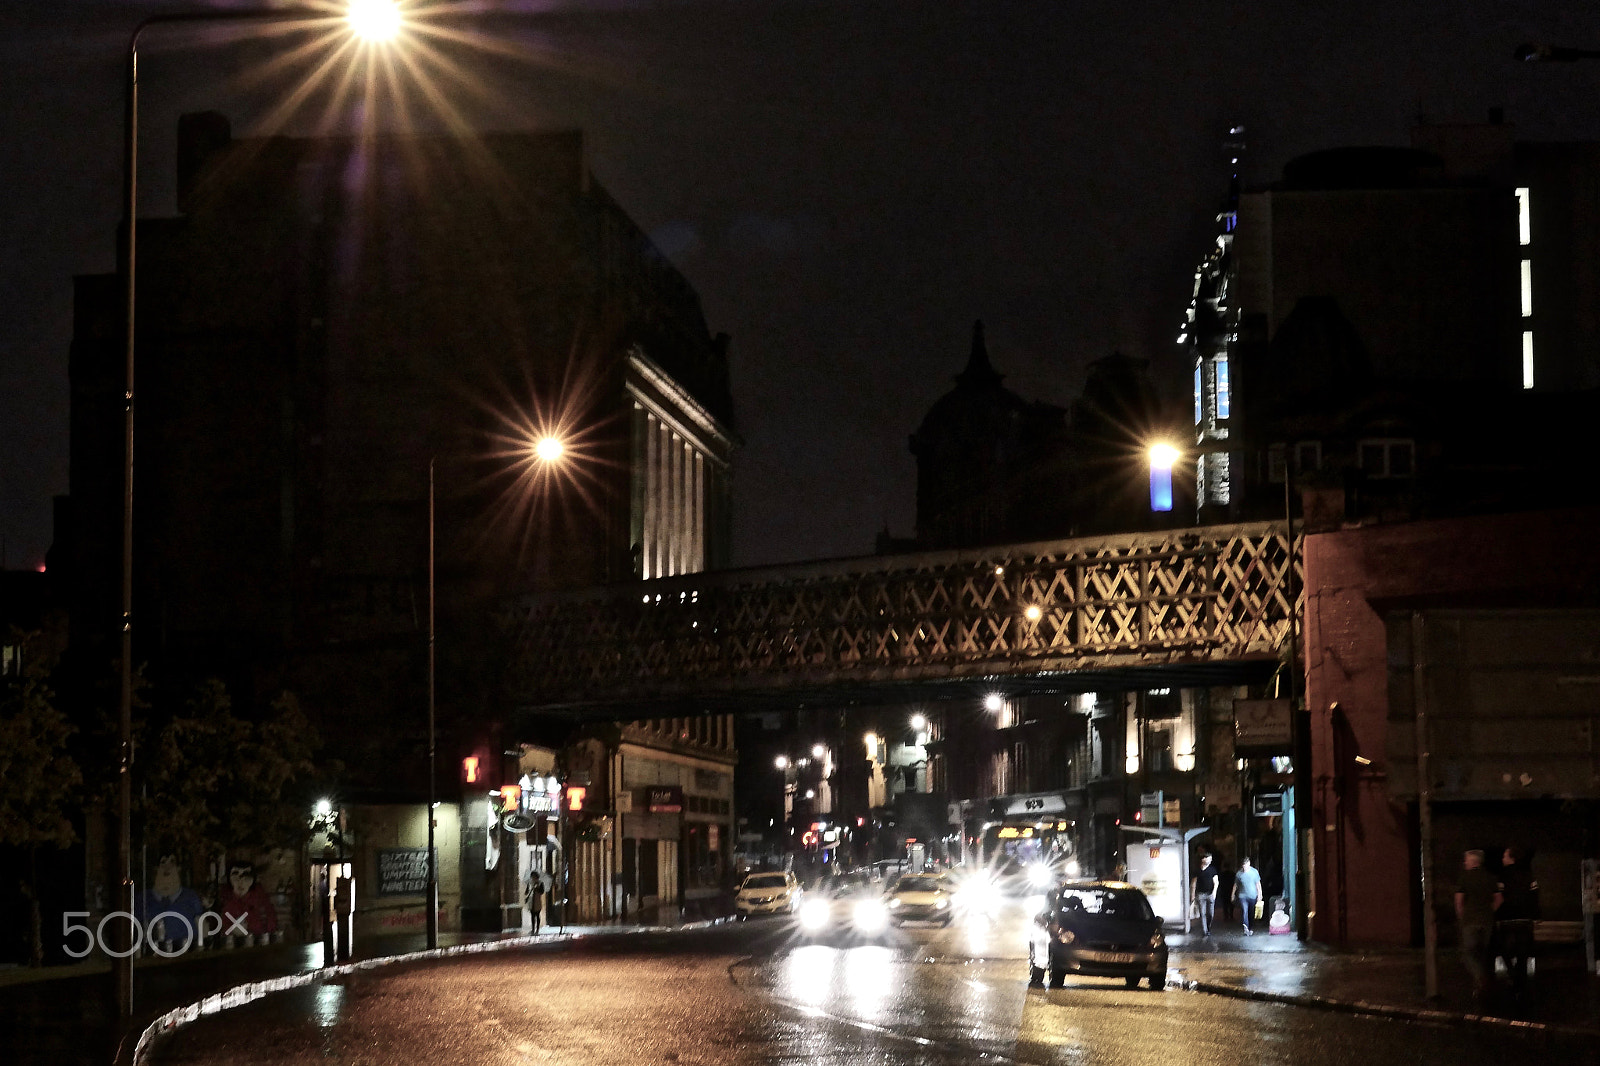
[[1387, 458], [1527, 288], [1223, 398], [1524, 219], [1307, 456], [1275, 454], [1527, 358], [1199, 392]]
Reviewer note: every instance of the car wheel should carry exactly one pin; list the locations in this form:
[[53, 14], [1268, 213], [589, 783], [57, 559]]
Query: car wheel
[[1133, 982], [1157, 983]]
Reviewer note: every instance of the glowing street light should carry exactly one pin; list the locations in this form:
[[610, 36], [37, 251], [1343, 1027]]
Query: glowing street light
[[549, 449], [781, 762], [994, 702], [818, 751], [1162, 458], [375, 21], [1033, 612], [919, 722]]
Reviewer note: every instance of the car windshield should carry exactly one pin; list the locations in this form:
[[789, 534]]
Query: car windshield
[[919, 884], [765, 881], [1123, 903]]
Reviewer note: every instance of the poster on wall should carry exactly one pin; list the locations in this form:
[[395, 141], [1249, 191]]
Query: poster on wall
[[402, 871]]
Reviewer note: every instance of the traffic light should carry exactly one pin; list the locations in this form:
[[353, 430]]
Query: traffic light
[[575, 797], [469, 769]]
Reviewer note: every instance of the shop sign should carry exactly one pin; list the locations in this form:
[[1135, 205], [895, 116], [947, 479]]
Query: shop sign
[[1262, 727], [664, 799], [1045, 803], [402, 871]]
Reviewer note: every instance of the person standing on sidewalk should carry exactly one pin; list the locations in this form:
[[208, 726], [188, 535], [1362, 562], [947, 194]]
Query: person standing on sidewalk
[[1477, 898], [535, 899], [1247, 891], [1514, 920], [1203, 890]]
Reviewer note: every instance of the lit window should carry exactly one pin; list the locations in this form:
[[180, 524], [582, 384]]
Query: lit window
[[1524, 221], [1199, 390], [1223, 402], [1527, 288], [1527, 359]]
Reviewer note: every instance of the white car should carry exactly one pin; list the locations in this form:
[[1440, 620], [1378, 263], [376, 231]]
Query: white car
[[770, 893]]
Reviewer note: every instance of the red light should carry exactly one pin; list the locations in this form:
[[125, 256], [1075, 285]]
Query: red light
[[575, 797], [860, 822], [469, 769]]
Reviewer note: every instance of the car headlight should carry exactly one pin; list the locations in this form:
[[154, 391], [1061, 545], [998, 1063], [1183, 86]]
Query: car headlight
[[870, 916], [1040, 876], [814, 914], [1156, 939], [894, 902], [940, 904], [978, 895], [1066, 936]]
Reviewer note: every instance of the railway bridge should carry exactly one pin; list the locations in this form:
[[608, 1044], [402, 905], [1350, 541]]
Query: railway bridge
[[1203, 605]]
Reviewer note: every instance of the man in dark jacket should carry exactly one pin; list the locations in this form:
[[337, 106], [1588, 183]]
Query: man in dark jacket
[[1514, 920]]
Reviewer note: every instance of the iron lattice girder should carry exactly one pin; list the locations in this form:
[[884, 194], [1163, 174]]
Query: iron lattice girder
[[1207, 594]]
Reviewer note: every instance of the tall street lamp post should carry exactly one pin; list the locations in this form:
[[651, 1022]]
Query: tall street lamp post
[[1163, 457], [547, 450], [370, 19]]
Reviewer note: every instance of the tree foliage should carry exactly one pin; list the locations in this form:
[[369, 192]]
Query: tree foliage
[[39, 779], [213, 781]]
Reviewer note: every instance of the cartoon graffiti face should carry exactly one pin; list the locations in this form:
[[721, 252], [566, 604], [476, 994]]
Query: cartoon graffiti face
[[241, 876], [168, 882]]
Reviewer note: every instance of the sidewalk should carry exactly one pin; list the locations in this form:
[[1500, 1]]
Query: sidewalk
[[1381, 981], [66, 1015]]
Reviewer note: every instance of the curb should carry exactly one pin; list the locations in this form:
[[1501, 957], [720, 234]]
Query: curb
[[239, 995], [1384, 1010]]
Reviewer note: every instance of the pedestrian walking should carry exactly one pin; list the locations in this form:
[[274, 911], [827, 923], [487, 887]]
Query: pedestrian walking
[[1203, 890], [534, 899], [1519, 907], [1247, 891], [1478, 897]]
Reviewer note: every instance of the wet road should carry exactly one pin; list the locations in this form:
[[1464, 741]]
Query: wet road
[[753, 994]]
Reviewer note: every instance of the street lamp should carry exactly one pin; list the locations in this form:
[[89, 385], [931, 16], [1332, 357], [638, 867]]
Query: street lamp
[[368, 28], [546, 450], [1167, 456]]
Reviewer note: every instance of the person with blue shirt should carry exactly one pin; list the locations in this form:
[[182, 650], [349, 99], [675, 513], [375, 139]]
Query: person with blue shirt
[[1247, 891]]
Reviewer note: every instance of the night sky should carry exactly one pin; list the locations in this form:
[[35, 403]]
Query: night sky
[[848, 185]]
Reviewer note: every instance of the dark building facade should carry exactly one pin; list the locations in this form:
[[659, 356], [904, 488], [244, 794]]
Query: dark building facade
[[993, 468], [1403, 328], [327, 325]]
